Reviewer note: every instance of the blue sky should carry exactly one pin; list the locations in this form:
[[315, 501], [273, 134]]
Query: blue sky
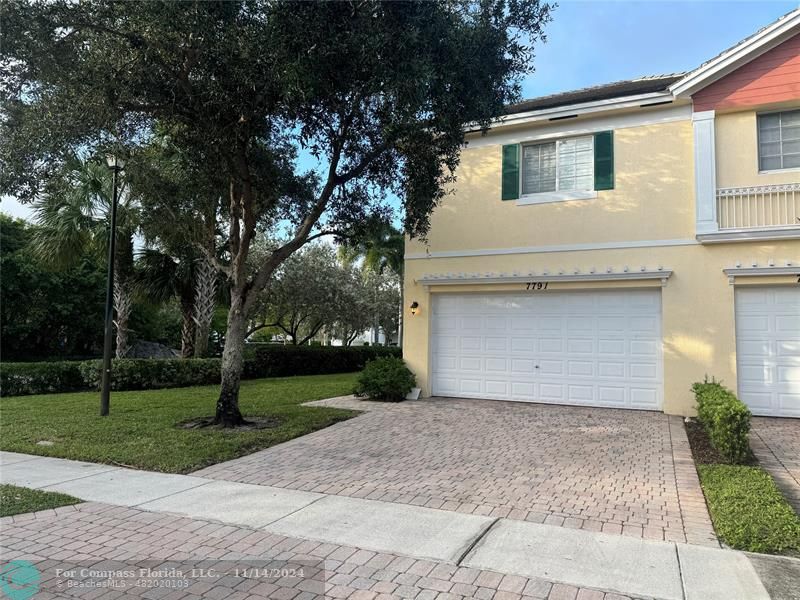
[[591, 42]]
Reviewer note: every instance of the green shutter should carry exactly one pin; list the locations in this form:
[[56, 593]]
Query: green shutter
[[510, 172], [604, 160]]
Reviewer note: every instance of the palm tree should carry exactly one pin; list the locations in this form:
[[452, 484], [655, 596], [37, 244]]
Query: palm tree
[[381, 246], [73, 217], [160, 277]]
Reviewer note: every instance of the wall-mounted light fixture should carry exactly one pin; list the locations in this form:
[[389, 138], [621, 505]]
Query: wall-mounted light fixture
[[414, 307]]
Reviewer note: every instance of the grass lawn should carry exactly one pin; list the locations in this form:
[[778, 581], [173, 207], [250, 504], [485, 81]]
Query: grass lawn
[[17, 500], [748, 510], [141, 430]]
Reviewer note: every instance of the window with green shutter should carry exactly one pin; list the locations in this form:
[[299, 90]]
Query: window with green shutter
[[565, 167], [604, 160], [510, 186]]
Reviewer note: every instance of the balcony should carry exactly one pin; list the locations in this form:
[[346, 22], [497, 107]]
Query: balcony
[[763, 212], [758, 207]]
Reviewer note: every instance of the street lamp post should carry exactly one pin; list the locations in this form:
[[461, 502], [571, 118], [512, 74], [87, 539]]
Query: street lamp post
[[116, 165]]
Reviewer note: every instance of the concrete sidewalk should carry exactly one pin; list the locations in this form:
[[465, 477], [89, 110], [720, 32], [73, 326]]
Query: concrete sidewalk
[[656, 569]]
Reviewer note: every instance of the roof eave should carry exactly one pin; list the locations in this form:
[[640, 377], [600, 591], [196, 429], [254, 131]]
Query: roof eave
[[742, 53], [578, 109]]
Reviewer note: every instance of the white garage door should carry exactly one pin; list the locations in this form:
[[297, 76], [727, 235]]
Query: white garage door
[[768, 350], [585, 348]]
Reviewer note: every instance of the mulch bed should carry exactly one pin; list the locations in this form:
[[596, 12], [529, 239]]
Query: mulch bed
[[702, 450]]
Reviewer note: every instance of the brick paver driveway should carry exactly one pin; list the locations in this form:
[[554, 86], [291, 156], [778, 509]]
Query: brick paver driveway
[[617, 471], [776, 444], [107, 552]]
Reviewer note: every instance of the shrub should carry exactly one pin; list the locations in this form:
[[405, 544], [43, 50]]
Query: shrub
[[284, 361], [23, 379], [725, 418], [149, 373], [748, 510], [386, 379]]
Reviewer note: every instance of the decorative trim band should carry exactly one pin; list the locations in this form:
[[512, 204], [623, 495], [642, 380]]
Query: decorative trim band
[[468, 279], [554, 248], [749, 235], [760, 271]]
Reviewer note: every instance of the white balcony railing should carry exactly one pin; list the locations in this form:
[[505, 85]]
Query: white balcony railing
[[763, 206]]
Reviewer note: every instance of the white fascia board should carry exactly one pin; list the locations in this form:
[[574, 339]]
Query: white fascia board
[[743, 53], [583, 108], [662, 274], [545, 130]]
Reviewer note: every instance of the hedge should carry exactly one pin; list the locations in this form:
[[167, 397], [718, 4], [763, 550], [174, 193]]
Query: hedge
[[282, 361], [21, 379], [725, 418]]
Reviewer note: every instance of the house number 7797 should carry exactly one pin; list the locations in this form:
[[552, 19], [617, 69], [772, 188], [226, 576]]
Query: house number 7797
[[536, 285]]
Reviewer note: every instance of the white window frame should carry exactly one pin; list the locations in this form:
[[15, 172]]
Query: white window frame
[[758, 143], [554, 195]]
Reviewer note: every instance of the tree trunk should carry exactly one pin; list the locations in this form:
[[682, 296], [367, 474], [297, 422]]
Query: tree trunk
[[228, 414], [122, 306], [205, 294], [187, 331], [400, 317]]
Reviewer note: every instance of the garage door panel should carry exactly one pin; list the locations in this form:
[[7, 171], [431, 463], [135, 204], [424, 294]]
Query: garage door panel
[[522, 366], [611, 396], [580, 346], [768, 349], [552, 392], [649, 348], [644, 397], [760, 373], [496, 344], [788, 374], [587, 348], [470, 344], [609, 346], [496, 365], [551, 345], [788, 348], [787, 323], [789, 404], [611, 369], [520, 344], [578, 368], [643, 370]]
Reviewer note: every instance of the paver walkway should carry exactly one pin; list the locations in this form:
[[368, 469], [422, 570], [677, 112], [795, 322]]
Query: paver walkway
[[776, 444], [95, 550], [616, 471]]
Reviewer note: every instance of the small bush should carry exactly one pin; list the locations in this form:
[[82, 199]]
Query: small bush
[[748, 510], [23, 379], [725, 418], [387, 379]]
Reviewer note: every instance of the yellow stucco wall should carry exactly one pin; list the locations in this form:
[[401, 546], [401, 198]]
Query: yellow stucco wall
[[653, 200], [736, 141], [697, 302]]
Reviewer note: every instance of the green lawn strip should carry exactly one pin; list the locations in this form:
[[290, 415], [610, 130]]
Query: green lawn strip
[[748, 510], [17, 500], [141, 430]]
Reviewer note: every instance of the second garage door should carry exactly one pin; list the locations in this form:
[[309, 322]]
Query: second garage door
[[586, 348], [768, 350]]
